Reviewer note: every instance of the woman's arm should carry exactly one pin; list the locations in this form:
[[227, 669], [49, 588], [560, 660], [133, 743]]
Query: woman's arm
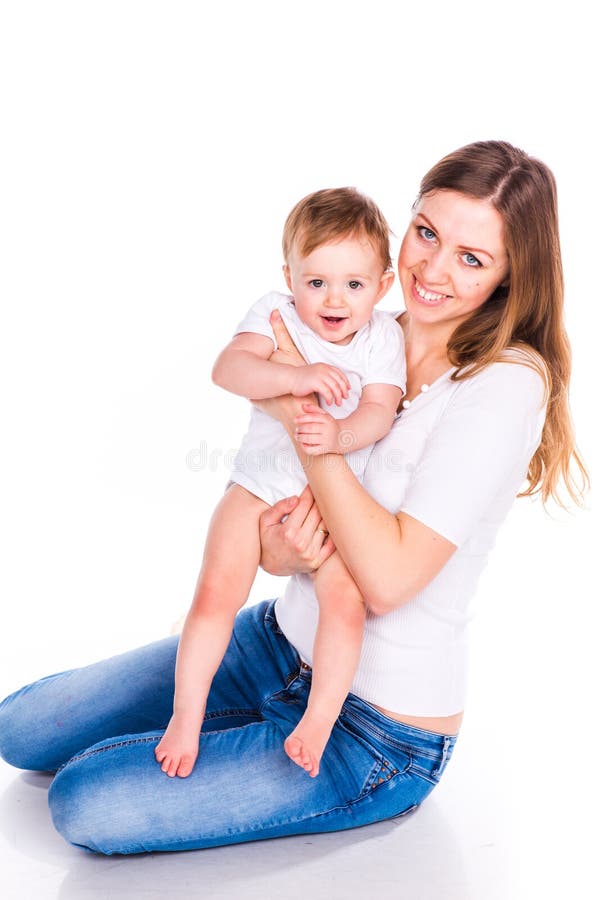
[[471, 466], [403, 556]]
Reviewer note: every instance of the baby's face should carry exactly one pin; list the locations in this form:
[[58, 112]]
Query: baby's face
[[336, 287]]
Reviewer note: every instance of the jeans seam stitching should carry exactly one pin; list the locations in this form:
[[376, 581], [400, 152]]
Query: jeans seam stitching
[[217, 714], [390, 741], [374, 787], [409, 751], [128, 743], [274, 696], [370, 783], [289, 821], [431, 777]]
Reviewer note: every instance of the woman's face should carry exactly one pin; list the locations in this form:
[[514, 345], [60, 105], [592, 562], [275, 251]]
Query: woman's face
[[452, 257]]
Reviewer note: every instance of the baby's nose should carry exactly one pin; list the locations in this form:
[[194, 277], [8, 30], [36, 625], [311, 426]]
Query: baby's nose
[[335, 296]]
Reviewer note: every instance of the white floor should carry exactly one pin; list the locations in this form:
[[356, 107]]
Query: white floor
[[472, 839], [515, 816], [462, 843], [501, 825], [130, 155]]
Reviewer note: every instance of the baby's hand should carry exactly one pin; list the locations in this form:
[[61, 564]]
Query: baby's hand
[[326, 380], [318, 432], [178, 749]]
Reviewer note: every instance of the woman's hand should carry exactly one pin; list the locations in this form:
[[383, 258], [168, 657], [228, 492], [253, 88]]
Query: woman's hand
[[283, 408], [299, 544], [286, 352]]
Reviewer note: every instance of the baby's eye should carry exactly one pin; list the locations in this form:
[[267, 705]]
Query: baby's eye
[[316, 282], [471, 260], [426, 233], [355, 285]]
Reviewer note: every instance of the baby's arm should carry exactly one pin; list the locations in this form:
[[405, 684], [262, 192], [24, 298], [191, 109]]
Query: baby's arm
[[244, 368], [319, 432]]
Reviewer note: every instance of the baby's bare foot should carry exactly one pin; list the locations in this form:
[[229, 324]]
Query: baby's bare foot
[[306, 743], [177, 750], [298, 752]]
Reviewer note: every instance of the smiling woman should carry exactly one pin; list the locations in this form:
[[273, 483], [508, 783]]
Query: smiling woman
[[481, 274], [454, 266], [492, 197], [452, 260]]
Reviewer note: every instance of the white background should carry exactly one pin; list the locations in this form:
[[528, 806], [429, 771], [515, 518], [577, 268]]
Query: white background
[[150, 152]]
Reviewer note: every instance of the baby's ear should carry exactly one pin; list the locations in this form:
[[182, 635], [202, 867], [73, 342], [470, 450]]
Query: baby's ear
[[387, 279], [287, 276]]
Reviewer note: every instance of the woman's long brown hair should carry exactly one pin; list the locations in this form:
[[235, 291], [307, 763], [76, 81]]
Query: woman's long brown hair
[[527, 311]]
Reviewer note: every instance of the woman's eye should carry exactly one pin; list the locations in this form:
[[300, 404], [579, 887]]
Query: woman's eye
[[426, 233], [355, 285], [316, 282], [471, 260]]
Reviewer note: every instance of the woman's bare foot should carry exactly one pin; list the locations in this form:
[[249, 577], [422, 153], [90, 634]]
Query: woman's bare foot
[[308, 740], [178, 748]]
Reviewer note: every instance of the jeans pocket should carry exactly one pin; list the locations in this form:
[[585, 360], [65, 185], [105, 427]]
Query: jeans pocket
[[430, 768], [388, 761]]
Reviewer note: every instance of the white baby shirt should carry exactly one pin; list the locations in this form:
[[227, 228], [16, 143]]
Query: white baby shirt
[[266, 463]]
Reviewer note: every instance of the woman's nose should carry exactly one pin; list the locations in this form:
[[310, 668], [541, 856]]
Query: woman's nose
[[435, 268]]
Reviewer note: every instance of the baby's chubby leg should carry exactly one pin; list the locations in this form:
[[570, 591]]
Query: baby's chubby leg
[[335, 657], [230, 561]]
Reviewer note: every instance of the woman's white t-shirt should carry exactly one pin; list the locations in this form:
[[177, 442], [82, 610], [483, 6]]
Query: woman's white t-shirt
[[454, 460]]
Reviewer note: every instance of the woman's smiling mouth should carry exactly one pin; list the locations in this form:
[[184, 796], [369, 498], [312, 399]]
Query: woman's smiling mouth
[[431, 298]]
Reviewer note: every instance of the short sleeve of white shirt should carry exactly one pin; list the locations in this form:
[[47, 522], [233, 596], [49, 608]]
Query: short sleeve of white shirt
[[386, 361], [256, 319], [481, 444]]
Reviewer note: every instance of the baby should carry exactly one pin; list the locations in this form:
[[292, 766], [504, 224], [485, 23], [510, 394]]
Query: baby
[[337, 268]]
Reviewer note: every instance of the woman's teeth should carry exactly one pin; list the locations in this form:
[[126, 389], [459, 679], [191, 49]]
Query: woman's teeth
[[431, 296]]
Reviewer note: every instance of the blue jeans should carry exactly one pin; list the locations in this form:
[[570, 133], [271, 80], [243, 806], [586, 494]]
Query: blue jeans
[[98, 726]]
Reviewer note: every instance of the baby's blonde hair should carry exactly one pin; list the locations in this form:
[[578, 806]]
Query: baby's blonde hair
[[333, 214]]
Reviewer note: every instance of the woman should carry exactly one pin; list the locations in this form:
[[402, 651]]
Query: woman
[[486, 407]]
